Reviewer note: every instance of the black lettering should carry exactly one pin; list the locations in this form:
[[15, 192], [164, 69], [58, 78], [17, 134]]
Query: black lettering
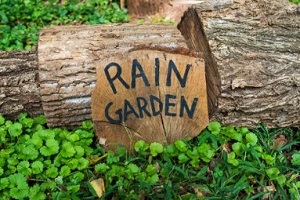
[[128, 109], [157, 66], [184, 106], [142, 105], [182, 80], [136, 65], [118, 112], [154, 99], [117, 76], [168, 104]]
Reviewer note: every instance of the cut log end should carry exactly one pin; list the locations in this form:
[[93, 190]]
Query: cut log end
[[192, 30], [154, 94]]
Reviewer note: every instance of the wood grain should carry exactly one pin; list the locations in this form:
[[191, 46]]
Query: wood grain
[[183, 112]]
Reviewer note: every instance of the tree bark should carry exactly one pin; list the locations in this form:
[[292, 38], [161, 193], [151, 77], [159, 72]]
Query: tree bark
[[19, 90], [255, 45]]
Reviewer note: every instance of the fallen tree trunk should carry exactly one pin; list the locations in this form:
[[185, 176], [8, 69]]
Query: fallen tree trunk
[[256, 46], [254, 43], [19, 90]]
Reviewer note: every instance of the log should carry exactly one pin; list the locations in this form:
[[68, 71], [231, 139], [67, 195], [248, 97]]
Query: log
[[256, 46], [254, 43], [67, 57], [19, 87]]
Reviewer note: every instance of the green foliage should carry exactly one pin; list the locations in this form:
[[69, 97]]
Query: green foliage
[[156, 148], [21, 20], [214, 128], [159, 20], [295, 1], [37, 167], [223, 162], [296, 158], [34, 160]]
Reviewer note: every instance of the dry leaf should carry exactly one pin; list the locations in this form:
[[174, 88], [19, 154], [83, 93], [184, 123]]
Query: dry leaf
[[279, 142], [102, 141], [269, 189], [98, 186], [226, 147], [198, 192]]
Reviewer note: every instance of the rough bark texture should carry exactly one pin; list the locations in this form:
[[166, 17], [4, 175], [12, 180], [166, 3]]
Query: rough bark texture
[[191, 28], [19, 89], [67, 57], [256, 44]]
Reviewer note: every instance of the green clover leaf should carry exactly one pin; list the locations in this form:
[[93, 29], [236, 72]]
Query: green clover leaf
[[296, 159], [102, 167], [37, 167], [214, 128], [273, 172], [141, 147], [251, 138], [67, 150], [156, 148], [181, 145], [52, 172], [65, 171], [82, 164], [23, 168], [15, 129]]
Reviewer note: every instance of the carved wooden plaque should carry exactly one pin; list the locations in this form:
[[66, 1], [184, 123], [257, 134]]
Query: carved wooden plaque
[[150, 94]]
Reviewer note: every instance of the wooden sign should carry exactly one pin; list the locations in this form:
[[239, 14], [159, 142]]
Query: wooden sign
[[150, 94]]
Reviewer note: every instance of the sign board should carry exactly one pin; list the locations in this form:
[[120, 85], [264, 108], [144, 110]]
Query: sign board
[[153, 95]]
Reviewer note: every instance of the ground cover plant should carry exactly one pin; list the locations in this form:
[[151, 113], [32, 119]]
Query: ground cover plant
[[223, 162], [21, 20]]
